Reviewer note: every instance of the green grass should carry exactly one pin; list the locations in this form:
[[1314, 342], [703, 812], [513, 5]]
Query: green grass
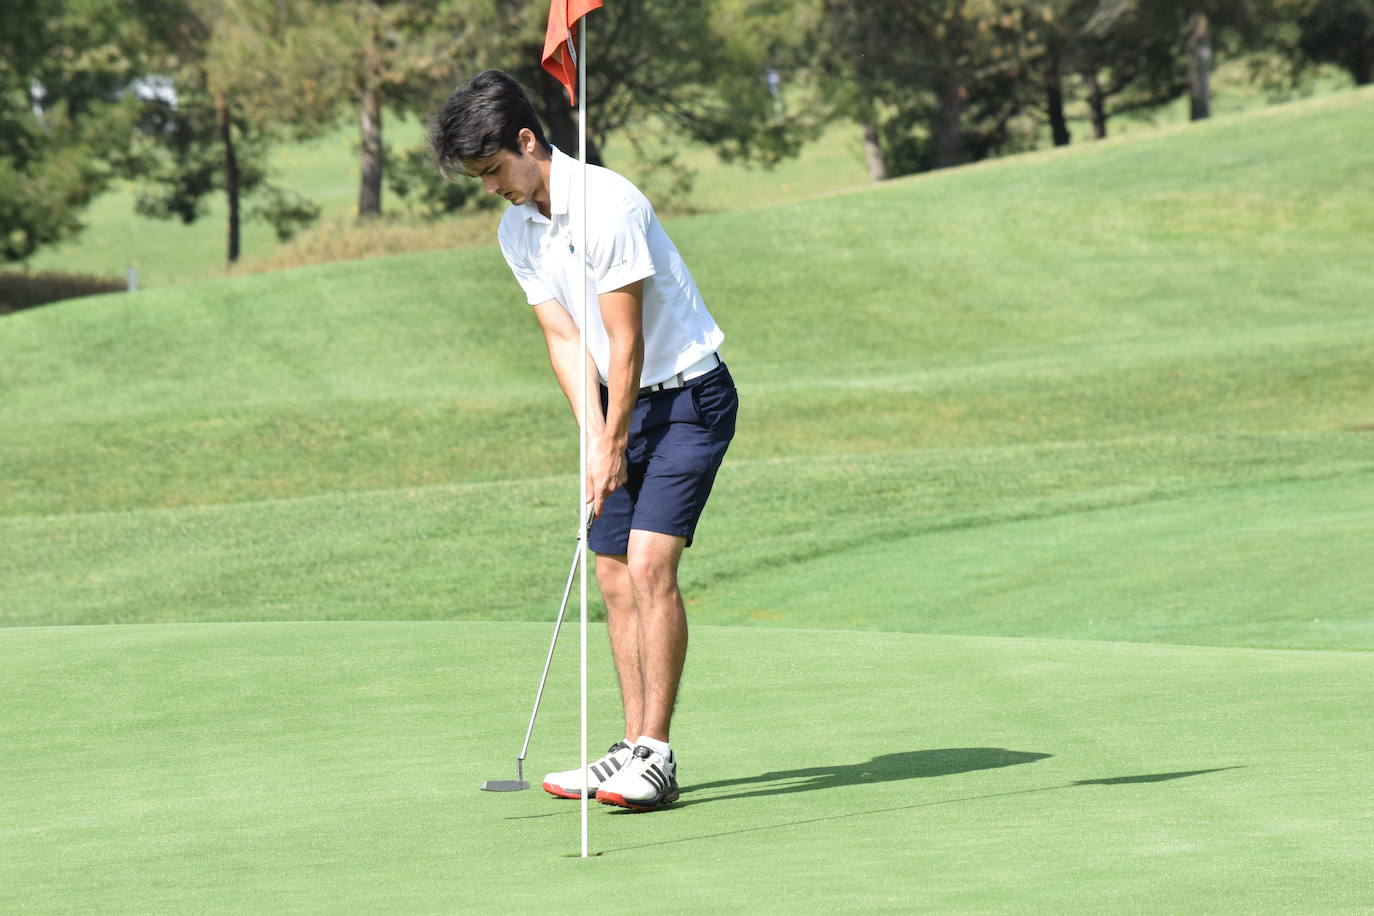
[[1180, 315], [1093, 427], [334, 767], [1074, 540]]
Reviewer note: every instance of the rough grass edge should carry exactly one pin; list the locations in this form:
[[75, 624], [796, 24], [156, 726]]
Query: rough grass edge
[[21, 290]]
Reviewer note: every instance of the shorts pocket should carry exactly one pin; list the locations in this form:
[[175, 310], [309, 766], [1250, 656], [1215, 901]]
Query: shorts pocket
[[717, 404]]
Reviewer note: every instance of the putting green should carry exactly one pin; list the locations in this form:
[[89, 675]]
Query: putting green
[[334, 767]]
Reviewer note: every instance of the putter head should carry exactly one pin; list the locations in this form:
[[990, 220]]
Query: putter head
[[504, 785]]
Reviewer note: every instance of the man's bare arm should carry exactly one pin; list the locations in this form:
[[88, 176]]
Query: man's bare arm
[[622, 314], [608, 436], [562, 339]]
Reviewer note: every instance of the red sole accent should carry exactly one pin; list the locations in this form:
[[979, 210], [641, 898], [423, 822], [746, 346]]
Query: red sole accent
[[611, 798], [560, 792]]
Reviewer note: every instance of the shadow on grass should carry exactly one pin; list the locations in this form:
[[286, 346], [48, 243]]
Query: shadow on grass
[[884, 768], [1152, 777], [1110, 781]]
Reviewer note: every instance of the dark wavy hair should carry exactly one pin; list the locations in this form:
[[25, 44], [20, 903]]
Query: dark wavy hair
[[482, 117]]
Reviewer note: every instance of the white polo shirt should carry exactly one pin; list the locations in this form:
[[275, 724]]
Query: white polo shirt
[[626, 243]]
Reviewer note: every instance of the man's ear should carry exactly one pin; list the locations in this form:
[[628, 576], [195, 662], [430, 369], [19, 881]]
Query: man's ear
[[528, 143]]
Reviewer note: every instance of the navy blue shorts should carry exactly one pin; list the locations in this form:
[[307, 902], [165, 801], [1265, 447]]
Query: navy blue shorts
[[678, 439]]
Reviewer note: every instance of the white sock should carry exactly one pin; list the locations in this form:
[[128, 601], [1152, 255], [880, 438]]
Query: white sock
[[655, 745]]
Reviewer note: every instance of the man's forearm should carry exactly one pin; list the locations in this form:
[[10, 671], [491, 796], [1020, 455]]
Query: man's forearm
[[621, 312], [627, 362], [565, 358], [621, 315]]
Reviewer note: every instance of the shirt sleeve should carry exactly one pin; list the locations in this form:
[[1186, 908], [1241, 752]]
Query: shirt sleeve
[[620, 253], [536, 291]]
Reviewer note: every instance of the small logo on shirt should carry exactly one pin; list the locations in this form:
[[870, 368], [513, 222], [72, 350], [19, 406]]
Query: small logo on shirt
[[568, 235]]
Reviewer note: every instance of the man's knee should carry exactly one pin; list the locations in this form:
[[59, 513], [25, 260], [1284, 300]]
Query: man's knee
[[653, 579], [652, 563], [613, 576]]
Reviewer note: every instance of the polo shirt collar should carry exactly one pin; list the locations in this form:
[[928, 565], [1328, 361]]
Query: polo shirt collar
[[561, 174]]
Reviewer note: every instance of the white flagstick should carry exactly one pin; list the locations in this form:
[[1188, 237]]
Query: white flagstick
[[581, 510]]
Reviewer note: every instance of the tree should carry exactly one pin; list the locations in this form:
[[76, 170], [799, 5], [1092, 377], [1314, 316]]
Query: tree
[[199, 145], [63, 108], [698, 69], [1199, 66], [928, 80], [1340, 32], [1056, 20], [857, 78], [1209, 27], [194, 139], [1130, 54], [1128, 61], [1060, 37], [305, 63], [398, 52], [698, 72]]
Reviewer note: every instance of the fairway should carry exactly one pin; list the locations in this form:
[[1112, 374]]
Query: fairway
[[1277, 565], [334, 767]]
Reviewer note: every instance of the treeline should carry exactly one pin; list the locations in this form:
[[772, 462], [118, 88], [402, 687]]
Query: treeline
[[187, 97], [933, 84]]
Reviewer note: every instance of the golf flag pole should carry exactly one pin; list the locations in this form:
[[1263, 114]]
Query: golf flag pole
[[582, 334], [565, 56]]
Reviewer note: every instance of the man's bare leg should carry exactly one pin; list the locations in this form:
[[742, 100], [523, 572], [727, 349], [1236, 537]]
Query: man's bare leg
[[653, 562], [622, 620], [648, 627]]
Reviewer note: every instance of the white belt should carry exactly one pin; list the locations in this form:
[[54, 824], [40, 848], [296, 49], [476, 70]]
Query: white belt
[[696, 370]]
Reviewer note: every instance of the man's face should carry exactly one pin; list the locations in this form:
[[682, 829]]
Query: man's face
[[514, 176]]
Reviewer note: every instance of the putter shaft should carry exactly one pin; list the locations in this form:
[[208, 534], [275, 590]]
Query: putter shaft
[[515, 785]]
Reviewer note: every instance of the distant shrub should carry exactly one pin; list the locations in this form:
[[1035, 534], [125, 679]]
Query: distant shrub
[[24, 289]]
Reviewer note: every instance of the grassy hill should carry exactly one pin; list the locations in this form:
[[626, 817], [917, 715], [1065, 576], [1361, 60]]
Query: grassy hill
[[1055, 417], [1144, 327]]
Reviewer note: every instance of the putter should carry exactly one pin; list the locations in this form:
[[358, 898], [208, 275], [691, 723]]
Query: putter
[[518, 783]]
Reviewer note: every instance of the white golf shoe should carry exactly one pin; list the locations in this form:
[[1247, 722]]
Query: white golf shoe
[[569, 783], [646, 782]]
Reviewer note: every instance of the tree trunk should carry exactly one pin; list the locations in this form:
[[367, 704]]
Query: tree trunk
[[873, 151], [1199, 68], [231, 173], [1054, 93], [1097, 103], [949, 121], [370, 156]]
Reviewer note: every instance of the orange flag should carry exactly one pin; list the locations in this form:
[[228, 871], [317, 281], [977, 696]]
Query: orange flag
[[560, 52]]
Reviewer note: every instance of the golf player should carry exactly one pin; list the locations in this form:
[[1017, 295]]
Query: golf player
[[668, 403]]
